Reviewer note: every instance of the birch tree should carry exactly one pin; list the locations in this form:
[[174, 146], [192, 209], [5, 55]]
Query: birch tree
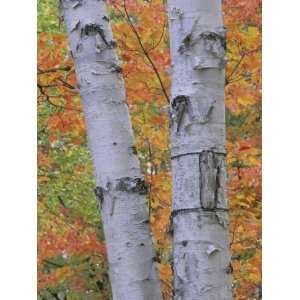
[[121, 190], [201, 258]]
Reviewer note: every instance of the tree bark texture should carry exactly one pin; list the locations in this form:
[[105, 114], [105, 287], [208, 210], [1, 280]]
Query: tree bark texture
[[121, 189], [201, 257]]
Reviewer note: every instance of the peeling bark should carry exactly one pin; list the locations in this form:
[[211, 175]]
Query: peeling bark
[[201, 258], [212, 181], [120, 186]]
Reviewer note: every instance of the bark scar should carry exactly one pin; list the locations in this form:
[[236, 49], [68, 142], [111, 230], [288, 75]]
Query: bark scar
[[215, 42], [212, 50], [179, 106], [132, 185], [229, 269], [187, 42], [98, 31], [99, 192], [212, 181], [133, 150]]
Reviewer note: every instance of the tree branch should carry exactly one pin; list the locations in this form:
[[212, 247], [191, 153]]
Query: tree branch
[[52, 70], [145, 51], [41, 88]]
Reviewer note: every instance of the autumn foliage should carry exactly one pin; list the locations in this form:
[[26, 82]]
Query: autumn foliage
[[71, 248]]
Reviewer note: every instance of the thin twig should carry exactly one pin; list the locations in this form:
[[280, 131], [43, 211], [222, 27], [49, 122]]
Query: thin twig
[[146, 53], [52, 70], [41, 88], [236, 67]]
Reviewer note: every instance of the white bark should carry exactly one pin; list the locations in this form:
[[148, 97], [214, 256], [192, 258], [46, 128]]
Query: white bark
[[120, 186], [201, 258]]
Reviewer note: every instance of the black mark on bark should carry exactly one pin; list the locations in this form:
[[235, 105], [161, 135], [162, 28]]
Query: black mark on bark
[[116, 68], [216, 41], [179, 106], [105, 18], [79, 47], [184, 243], [93, 29], [229, 269], [214, 44], [132, 185], [133, 150], [186, 43], [113, 44], [97, 30], [99, 192]]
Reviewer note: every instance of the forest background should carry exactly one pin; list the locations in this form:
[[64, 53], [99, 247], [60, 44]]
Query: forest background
[[281, 124], [71, 248]]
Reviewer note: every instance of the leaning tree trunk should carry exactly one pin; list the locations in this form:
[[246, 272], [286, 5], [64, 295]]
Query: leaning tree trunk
[[120, 186], [201, 258]]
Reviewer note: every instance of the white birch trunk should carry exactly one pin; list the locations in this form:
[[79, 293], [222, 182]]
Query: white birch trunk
[[120, 186], [201, 258]]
